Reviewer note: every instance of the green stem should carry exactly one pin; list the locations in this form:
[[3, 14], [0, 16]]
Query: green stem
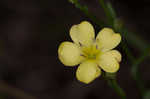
[[114, 85], [133, 60], [132, 38], [136, 74], [127, 51], [108, 15], [84, 9]]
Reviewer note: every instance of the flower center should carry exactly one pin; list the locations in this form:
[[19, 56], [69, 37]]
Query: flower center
[[90, 52]]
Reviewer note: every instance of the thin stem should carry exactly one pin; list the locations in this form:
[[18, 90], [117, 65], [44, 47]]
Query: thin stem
[[114, 85], [136, 74], [132, 39], [84, 9], [111, 10], [108, 15], [133, 60], [127, 51]]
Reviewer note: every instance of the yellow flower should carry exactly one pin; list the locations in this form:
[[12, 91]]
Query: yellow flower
[[92, 54]]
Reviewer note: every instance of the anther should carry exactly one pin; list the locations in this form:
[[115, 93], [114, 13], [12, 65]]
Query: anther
[[80, 44], [82, 55], [96, 46]]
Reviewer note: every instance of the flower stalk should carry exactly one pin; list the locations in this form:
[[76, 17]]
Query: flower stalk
[[84, 9], [136, 74], [112, 82], [132, 38], [139, 43], [114, 85]]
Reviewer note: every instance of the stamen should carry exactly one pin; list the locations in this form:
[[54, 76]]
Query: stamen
[[80, 44], [96, 46], [82, 55], [97, 39]]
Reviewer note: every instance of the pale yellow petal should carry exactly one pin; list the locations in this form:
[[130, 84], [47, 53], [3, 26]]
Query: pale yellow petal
[[107, 39], [82, 33], [109, 61], [69, 53], [87, 72], [116, 54]]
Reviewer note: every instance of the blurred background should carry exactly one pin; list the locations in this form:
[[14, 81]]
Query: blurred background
[[30, 33]]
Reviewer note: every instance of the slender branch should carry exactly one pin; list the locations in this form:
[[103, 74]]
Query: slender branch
[[127, 51], [114, 85], [132, 39], [84, 9], [133, 60], [119, 28], [136, 74], [106, 10], [14, 92]]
